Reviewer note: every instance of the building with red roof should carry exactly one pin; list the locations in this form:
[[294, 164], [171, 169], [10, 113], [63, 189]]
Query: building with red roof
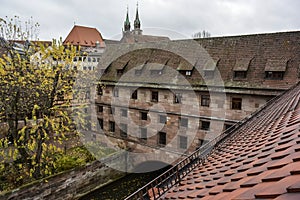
[[84, 36]]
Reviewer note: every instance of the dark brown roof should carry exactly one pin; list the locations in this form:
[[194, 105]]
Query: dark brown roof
[[251, 53], [260, 160], [83, 36], [134, 38]]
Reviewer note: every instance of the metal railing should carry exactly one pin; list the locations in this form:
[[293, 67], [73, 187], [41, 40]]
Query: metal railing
[[160, 185]]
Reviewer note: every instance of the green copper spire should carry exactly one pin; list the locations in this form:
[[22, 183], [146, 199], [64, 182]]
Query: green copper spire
[[137, 22], [127, 22]]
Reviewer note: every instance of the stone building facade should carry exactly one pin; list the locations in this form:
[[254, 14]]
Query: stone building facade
[[165, 97]]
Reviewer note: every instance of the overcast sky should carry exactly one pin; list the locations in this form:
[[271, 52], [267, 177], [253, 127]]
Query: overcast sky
[[182, 17]]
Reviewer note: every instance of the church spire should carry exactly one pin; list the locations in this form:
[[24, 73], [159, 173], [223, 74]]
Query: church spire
[[137, 22], [127, 22]]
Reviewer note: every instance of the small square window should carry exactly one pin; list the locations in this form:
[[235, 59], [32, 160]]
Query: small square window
[[116, 92], [162, 138], [134, 94], [183, 142], [100, 121], [99, 90], [120, 72], [184, 122], [123, 130], [240, 74], [100, 109], [124, 112], [162, 119], [205, 100], [144, 115], [274, 75], [177, 98], [236, 103], [154, 96], [205, 125], [188, 73], [112, 110], [143, 133], [111, 126]]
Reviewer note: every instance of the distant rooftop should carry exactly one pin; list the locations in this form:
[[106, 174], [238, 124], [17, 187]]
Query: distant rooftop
[[84, 36]]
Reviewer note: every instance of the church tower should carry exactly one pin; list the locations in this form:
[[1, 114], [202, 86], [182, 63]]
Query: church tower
[[137, 23], [126, 23]]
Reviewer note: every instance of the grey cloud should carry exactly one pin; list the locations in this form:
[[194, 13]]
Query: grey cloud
[[220, 17]]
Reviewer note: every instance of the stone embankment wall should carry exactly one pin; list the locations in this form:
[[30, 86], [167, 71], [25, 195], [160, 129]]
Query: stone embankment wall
[[72, 184]]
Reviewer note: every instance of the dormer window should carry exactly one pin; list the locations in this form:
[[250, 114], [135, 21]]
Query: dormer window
[[209, 68], [120, 71], [188, 73], [121, 68], [185, 68], [155, 68], [275, 69], [241, 67], [156, 72], [273, 75], [240, 74]]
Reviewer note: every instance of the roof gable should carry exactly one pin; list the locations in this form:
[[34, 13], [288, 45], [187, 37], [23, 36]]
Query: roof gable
[[83, 36]]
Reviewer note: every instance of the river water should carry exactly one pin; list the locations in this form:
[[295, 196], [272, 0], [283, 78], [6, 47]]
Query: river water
[[123, 187]]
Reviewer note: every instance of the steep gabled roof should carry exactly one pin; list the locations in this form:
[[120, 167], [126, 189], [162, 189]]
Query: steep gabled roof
[[260, 160], [253, 54], [83, 36]]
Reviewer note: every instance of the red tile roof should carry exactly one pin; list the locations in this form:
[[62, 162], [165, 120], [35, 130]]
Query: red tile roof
[[260, 159], [83, 36]]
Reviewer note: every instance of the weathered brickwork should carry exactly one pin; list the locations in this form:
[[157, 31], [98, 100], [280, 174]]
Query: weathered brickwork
[[71, 184], [253, 69]]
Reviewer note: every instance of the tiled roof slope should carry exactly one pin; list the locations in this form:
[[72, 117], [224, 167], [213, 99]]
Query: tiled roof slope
[[84, 36], [250, 52], [260, 48], [261, 160], [134, 38]]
